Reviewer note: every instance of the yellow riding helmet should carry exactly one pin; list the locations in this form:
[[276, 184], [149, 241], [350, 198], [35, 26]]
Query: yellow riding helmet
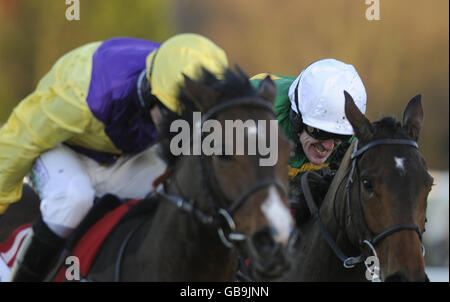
[[182, 54]]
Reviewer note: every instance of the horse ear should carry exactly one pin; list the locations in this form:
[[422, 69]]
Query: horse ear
[[201, 95], [267, 90], [361, 125], [413, 117]]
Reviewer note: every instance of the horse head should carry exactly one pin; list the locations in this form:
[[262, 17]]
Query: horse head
[[247, 199], [387, 200]]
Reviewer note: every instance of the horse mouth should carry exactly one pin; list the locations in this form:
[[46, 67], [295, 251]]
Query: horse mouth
[[268, 259]]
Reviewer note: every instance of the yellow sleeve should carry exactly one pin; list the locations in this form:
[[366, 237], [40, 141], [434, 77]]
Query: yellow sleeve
[[52, 114]]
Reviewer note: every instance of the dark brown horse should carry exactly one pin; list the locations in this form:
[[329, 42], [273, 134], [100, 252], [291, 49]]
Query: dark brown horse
[[375, 206], [213, 208]]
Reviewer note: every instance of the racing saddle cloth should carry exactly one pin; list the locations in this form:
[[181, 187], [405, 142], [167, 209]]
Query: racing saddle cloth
[[85, 242]]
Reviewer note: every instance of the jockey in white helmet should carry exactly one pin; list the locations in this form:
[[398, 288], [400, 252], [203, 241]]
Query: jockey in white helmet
[[317, 97], [310, 109]]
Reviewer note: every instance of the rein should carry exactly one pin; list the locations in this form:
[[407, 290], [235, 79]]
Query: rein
[[350, 262], [224, 208]]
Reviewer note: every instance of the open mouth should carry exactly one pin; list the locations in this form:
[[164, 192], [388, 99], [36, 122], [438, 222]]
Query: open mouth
[[320, 149]]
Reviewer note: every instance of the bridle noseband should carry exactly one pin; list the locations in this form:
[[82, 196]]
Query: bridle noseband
[[224, 208], [373, 240]]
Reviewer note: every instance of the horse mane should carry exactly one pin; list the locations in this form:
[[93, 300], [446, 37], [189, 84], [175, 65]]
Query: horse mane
[[389, 127], [232, 85]]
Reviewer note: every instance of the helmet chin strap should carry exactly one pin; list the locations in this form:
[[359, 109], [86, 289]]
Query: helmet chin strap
[[145, 97], [296, 121], [296, 117], [143, 88], [144, 91]]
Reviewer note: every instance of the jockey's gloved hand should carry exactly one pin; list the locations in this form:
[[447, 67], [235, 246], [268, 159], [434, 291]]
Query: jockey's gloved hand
[[319, 188]]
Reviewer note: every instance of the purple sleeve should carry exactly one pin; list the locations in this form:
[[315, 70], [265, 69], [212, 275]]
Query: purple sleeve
[[112, 95]]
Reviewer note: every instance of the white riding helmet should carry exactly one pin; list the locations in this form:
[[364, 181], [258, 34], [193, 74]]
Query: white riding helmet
[[318, 93]]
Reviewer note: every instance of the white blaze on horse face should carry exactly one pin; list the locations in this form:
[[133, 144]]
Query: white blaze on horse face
[[278, 216], [400, 164]]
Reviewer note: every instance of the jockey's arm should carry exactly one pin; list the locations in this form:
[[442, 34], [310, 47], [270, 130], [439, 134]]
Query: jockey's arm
[[44, 119]]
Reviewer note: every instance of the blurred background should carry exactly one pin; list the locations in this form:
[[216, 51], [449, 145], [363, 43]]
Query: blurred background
[[403, 54]]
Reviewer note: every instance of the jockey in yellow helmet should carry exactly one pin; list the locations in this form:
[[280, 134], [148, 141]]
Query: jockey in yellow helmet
[[84, 129]]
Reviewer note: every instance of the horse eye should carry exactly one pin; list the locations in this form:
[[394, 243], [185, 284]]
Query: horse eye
[[368, 186]]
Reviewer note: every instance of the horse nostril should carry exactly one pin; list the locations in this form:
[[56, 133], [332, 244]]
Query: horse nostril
[[263, 242]]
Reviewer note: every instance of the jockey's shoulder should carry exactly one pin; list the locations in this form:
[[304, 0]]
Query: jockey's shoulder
[[70, 75]]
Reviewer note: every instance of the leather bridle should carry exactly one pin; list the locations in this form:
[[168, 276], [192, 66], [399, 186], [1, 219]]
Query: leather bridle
[[223, 207], [371, 239]]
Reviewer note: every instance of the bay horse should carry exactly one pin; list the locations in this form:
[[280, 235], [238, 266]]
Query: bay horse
[[213, 207], [374, 212]]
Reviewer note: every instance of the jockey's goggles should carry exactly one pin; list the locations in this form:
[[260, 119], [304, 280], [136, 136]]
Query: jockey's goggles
[[324, 135]]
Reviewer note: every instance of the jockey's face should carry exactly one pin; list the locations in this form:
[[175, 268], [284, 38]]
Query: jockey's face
[[317, 151]]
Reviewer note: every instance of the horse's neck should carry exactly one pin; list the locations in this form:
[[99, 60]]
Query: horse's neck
[[318, 261], [334, 206], [188, 182], [196, 250], [175, 246], [335, 215]]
